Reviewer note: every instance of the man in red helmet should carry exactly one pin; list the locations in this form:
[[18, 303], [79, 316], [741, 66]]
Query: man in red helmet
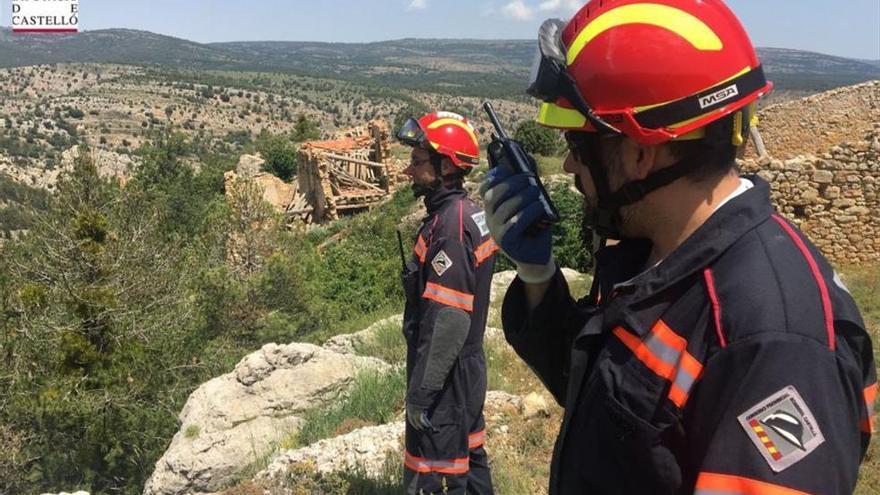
[[447, 283], [718, 352]]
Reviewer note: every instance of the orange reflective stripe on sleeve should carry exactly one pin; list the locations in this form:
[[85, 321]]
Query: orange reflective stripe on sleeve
[[714, 484], [449, 297], [485, 250], [421, 249], [444, 466], [476, 439], [665, 353], [870, 399]]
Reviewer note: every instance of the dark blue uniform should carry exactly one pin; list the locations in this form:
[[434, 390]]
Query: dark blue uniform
[[448, 280], [739, 365]]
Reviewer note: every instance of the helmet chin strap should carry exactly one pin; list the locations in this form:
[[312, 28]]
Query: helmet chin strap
[[605, 218], [437, 183]]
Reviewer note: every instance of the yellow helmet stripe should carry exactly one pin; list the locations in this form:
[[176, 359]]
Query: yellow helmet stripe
[[441, 122], [695, 31], [553, 115]]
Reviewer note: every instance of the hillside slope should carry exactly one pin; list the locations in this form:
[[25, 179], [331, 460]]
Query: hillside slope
[[467, 67]]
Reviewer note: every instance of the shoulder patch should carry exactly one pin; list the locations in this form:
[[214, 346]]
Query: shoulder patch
[[480, 219], [441, 263], [782, 428]]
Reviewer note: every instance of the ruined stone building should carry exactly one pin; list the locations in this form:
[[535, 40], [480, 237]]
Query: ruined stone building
[[350, 172]]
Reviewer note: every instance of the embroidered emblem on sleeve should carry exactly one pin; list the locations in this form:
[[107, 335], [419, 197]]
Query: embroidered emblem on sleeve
[[782, 428], [480, 220], [441, 263]]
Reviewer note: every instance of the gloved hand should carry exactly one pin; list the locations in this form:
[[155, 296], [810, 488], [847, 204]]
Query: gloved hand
[[418, 417], [513, 206]]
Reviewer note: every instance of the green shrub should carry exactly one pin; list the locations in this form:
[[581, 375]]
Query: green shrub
[[387, 344], [572, 242], [360, 273], [301, 479], [280, 155], [305, 129], [539, 140]]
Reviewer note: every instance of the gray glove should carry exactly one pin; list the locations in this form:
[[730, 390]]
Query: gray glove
[[418, 417], [512, 206]]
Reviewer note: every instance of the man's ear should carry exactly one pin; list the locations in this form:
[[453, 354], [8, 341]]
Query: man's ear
[[447, 167], [643, 159]]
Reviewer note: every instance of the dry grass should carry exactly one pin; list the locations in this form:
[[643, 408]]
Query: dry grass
[[520, 458], [864, 284]]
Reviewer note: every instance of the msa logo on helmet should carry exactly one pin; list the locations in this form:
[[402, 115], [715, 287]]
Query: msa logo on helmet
[[719, 96]]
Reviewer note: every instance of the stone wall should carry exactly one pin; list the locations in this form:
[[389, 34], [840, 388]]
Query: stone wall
[[812, 125], [832, 197]]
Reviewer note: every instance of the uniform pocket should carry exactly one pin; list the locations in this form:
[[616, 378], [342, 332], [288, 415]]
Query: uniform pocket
[[627, 454], [448, 438]]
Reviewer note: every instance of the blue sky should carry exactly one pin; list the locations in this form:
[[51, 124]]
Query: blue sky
[[848, 28]]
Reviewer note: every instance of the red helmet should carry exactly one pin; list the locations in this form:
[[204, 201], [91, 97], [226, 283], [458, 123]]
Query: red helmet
[[653, 71], [447, 133]]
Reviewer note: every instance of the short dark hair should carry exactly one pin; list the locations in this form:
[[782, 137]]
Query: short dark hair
[[717, 161], [715, 151]]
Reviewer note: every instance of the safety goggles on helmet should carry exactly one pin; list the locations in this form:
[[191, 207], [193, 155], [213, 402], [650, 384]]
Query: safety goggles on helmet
[[411, 133], [550, 80]]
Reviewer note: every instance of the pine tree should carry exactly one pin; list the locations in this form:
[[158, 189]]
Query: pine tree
[[99, 317]]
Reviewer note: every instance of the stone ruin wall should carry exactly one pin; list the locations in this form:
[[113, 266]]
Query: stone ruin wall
[[832, 197]]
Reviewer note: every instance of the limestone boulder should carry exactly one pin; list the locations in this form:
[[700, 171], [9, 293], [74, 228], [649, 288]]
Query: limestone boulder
[[249, 165], [368, 449], [535, 405], [236, 419], [365, 450], [347, 343]]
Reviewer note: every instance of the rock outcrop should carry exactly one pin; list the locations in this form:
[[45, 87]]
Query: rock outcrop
[[347, 343], [236, 419], [364, 450], [109, 164], [367, 450]]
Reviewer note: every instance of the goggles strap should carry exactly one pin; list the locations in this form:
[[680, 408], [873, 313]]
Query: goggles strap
[[568, 90]]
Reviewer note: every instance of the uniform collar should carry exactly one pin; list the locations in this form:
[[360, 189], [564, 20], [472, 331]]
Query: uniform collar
[[441, 197], [729, 223]]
